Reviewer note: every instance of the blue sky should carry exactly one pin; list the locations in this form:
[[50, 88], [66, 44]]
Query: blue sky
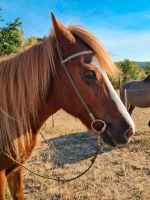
[[123, 26]]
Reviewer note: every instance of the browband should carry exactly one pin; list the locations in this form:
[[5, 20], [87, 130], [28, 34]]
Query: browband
[[76, 55]]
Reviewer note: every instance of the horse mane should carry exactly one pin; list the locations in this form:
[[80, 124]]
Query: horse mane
[[24, 83], [147, 79]]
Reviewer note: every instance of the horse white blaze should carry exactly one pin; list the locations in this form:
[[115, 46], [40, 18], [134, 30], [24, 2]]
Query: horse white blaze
[[114, 96]]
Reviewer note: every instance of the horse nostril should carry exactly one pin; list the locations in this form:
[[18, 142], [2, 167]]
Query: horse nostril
[[129, 133]]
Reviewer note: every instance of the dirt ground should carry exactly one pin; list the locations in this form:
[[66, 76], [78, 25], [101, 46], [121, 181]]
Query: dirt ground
[[118, 173]]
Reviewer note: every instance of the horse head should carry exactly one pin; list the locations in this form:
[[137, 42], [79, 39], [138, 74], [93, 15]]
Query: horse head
[[89, 73]]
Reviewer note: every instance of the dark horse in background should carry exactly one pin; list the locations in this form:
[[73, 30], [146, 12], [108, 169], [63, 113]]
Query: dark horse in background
[[34, 84], [136, 94]]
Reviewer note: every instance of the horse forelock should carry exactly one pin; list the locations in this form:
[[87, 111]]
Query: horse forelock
[[101, 54]]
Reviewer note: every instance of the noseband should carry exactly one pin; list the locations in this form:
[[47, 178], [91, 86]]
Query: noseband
[[94, 121]]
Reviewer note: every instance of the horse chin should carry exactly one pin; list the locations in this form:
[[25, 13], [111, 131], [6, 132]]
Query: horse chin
[[107, 139], [111, 141]]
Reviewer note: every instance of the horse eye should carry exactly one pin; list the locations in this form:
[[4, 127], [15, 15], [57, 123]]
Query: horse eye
[[90, 74]]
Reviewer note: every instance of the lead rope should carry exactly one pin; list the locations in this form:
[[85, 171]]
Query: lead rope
[[100, 144], [99, 149], [94, 120]]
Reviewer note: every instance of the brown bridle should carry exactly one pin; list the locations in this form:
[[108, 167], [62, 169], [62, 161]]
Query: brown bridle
[[94, 120], [91, 115]]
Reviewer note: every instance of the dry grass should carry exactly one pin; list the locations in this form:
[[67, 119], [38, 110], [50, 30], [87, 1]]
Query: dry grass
[[118, 174]]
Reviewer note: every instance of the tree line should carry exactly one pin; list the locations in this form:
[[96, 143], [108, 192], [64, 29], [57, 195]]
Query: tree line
[[131, 70], [12, 40]]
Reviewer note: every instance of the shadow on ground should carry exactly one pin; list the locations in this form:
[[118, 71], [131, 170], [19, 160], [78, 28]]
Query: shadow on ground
[[76, 146]]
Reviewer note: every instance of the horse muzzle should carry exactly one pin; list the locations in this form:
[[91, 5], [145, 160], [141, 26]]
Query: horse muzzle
[[110, 137], [113, 139]]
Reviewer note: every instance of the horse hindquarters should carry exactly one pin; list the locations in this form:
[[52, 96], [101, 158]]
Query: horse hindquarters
[[2, 184]]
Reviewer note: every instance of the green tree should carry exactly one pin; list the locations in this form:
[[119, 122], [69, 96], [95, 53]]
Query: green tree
[[30, 41], [39, 39], [11, 37], [146, 68], [130, 71]]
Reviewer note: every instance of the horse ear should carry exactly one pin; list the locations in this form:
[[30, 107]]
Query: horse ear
[[63, 35]]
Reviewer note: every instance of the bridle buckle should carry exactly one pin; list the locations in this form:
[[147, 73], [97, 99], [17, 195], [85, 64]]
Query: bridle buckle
[[99, 129], [95, 126]]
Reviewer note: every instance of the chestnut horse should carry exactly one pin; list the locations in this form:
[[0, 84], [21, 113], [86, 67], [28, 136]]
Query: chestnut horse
[[34, 85]]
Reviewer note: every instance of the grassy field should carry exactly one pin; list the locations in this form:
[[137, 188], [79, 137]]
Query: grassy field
[[118, 174]]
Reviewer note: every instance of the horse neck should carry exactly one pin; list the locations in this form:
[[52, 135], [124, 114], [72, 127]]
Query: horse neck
[[51, 104], [46, 111]]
